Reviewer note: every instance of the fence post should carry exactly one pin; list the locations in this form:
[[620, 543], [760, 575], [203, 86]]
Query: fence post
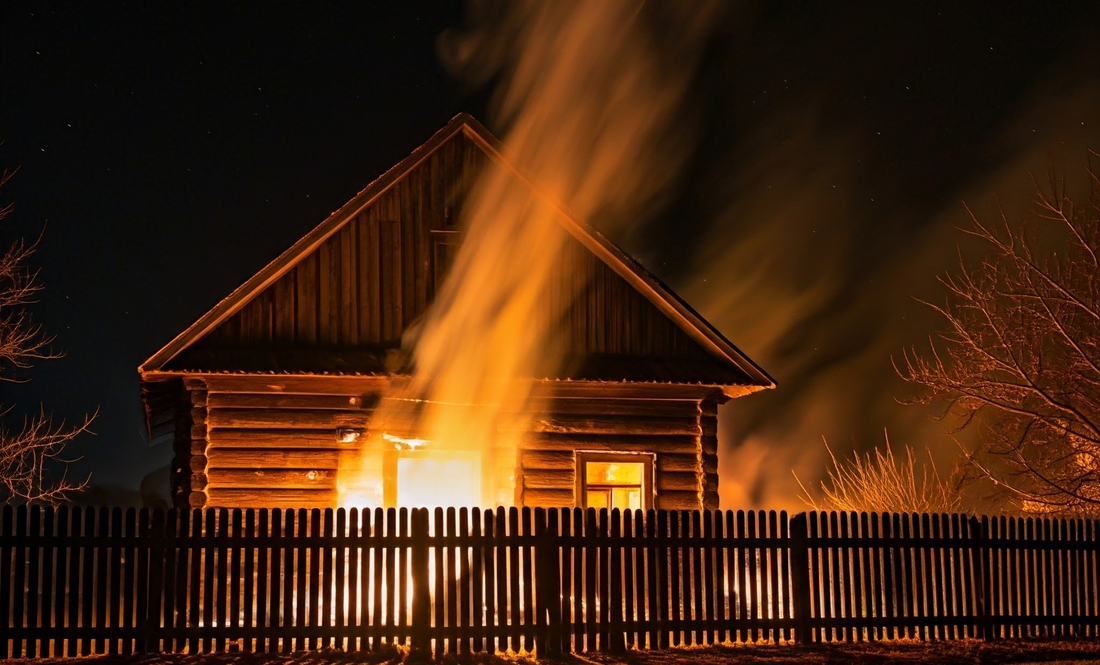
[[420, 642], [547, 582], [615, 635], [982, 570], [800, 576]]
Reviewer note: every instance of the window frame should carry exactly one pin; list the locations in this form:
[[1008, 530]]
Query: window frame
[[580, 491]]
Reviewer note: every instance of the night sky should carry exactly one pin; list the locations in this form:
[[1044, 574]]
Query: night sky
[[172, 150]]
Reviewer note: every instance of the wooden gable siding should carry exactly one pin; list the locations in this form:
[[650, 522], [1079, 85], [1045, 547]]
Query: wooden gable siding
[[342, 306], [367, 282], [608, 316]]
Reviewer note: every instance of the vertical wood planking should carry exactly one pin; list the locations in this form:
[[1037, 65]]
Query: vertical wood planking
[[403, 574], [501, 619], [528, 618], [147, 560], [64, 552], [477, 582], [514, 617], [7, 578], [489, 570], [377, 573], [465, 644], [357, 532], [340, 573], [309, 578], [254, 583], [286, 582], [451, 578], [231, 567], [590, 552], [20, 599], [440, 623]]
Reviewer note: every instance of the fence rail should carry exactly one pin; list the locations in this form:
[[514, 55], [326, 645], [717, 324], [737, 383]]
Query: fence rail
[[89, 581]]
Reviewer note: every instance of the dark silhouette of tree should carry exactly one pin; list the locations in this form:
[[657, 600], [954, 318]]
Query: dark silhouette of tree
[[29, 453], [1020, 359]]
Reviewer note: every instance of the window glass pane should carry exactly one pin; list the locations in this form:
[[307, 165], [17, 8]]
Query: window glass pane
[[615, 473], [597, 499], [626, 498]]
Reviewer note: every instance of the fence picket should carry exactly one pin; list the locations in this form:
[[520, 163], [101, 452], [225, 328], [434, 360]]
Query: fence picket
[[340, 562], [83, 581]]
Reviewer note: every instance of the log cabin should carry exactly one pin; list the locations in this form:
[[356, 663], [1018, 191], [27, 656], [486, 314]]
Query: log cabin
[[265, 394]]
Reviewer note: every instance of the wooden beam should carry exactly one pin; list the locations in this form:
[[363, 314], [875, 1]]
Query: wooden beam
[[678, 481], [662, 408], [643, 444], [547, 498], [678, 500], [318, 384], [622, 390], [288, 401], [561, 479], [277, 438], [673, 462], [592, 425], [250, 458], [547, 459], [272, 478], [270, 498], [287, 418]]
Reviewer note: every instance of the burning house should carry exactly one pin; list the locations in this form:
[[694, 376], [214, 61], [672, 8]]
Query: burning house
[[299, 388]]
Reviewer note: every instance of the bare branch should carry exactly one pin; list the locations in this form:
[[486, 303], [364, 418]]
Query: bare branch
[[1020, 359]]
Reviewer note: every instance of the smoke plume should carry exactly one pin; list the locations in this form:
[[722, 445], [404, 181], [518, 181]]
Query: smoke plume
[[588, 95]]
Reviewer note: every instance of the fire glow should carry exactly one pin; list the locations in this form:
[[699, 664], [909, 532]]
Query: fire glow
[[589, 111]]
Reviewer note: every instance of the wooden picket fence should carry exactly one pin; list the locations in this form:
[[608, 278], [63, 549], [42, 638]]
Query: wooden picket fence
[[91, 581]]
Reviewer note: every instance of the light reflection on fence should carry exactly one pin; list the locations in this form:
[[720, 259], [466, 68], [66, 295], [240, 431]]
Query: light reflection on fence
[[85, 581]]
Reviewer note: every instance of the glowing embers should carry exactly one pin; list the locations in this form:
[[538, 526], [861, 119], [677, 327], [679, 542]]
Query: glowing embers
[[615, 481]]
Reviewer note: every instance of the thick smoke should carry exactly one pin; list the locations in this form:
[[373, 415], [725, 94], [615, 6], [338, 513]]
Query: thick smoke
[[818, 281]]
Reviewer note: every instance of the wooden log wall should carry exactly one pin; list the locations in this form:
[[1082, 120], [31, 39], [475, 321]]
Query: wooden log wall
[[190, 464], [279, 449], [674, 431], [257, 449]]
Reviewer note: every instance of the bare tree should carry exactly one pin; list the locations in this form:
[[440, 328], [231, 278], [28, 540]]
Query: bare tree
[[1020, 359], [28, 454]]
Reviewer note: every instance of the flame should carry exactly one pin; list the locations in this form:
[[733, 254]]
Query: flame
[[589, 105]]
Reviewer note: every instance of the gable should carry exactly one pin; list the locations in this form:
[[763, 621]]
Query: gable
[[341, 299], [353, 296]]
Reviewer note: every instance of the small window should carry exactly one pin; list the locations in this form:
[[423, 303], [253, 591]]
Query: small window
[[609, 480]]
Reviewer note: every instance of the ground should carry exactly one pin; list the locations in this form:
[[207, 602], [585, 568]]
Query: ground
[[966, 651]]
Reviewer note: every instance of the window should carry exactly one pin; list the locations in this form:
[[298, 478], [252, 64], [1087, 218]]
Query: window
[[614, 480], [430, 478]]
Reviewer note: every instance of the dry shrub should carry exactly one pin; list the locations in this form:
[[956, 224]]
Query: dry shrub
[[879, 482]]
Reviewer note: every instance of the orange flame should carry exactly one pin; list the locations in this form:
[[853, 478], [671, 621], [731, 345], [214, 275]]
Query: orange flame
[[589, 110]]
